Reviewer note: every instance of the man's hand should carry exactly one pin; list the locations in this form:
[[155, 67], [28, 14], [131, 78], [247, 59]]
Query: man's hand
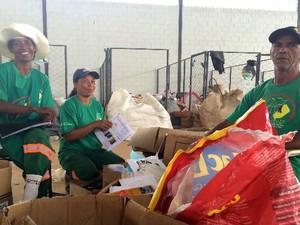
[[46, 113]]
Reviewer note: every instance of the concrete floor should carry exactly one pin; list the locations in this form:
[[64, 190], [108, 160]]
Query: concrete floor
[[58, 184]]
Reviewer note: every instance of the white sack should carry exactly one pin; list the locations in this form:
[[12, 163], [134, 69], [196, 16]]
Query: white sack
[[145, 112]]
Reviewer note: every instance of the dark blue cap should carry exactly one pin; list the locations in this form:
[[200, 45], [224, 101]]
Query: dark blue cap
[[291, 30], [79, 73]]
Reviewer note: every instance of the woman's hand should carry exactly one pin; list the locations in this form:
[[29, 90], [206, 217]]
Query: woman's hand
[[103, 124]]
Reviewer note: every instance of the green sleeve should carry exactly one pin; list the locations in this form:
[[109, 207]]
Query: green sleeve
[[47, 100], [247, 102], [3, 89], [67, 117]]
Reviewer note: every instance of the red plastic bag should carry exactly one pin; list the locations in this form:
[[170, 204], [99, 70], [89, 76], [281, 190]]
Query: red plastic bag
[[247, 180]]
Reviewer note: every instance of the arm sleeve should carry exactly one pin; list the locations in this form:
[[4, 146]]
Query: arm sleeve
[[247, 102], [47, 98], [3, 90], [67, 118]]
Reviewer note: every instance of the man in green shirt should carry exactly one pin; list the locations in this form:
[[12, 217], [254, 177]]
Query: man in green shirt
[[282, 93], [26, 97]]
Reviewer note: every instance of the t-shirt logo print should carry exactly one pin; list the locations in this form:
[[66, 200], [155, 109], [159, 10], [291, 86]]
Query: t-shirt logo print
[[279, 110]]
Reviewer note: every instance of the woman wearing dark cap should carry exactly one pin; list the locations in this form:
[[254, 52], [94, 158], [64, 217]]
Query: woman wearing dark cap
[[81, 153]]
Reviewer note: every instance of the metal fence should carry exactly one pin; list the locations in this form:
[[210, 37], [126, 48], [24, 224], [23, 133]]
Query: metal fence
[[232, 78], [199, 74], [266, 68], [57, 70], [121, 65]]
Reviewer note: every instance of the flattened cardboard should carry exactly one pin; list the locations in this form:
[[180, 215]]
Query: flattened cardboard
[[136, 214]]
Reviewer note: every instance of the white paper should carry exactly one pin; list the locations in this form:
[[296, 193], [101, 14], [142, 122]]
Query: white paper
[[116, 134], [137, 181], [150, 165], [138, 164]]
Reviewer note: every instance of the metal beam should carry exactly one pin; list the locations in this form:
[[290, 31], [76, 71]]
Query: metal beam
[[179, 46]]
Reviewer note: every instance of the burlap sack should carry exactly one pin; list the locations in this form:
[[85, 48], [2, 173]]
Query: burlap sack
[[216, 107]]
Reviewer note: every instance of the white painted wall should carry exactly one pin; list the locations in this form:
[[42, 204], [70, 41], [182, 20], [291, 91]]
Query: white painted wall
[[88, 27]]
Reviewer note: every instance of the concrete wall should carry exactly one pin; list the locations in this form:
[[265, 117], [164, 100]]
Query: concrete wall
[[88, 27]]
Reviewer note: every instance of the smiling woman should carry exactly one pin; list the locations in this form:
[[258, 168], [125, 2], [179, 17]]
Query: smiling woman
[[277, 5]]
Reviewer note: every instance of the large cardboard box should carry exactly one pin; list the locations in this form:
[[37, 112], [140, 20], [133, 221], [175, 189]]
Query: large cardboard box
[[5, 184], [76, 210], [136, 214], [98, 209]]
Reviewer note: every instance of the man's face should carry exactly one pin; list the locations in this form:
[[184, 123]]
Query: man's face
[[285, 54], [23, 49]]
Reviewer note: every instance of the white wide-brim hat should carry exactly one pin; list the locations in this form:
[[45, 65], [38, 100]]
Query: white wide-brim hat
[[23, 30]]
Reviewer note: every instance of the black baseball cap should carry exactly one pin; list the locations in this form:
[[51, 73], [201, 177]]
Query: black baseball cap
[[79, 73], [291, 30]]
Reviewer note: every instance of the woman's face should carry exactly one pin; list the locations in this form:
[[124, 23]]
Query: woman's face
[[85, 86], [23, 49]]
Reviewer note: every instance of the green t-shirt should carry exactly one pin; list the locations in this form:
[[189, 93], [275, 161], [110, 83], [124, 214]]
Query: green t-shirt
[[74, 114], [283, 101], [30, 90]]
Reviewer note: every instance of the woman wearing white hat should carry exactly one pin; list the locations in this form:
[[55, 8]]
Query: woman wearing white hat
[[25, 96]]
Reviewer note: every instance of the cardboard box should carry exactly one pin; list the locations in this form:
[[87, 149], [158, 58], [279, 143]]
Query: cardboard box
[[5, 184], [153, 139], [176, 141], [76, 210], [76, 190], [109, 175], [143, 200], [136, 214], [187, 122], [149, 139]]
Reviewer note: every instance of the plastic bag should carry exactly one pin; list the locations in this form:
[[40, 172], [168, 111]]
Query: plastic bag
[[247, 179]]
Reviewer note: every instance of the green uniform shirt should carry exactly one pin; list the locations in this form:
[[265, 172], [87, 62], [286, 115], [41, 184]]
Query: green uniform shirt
[[283, 101], [74, 114], [31, 90]]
